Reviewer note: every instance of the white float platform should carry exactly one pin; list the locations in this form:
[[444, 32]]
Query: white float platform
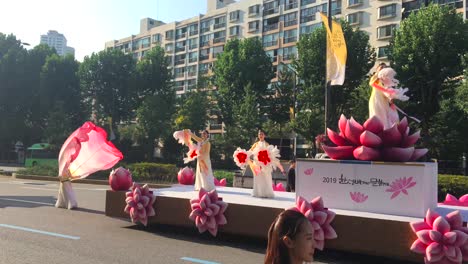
[[358, 232]]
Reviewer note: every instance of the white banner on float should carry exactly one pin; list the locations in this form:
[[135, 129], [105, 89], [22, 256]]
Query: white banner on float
[[406, 189]]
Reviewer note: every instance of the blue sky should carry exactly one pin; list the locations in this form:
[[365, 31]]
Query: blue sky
[[88, 24]]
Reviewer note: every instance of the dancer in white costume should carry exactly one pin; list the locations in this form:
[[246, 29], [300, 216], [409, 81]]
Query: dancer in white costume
[[262, 179], [204, 175]]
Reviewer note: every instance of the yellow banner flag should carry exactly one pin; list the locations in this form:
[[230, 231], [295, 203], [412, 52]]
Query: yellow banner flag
[[336, 52]]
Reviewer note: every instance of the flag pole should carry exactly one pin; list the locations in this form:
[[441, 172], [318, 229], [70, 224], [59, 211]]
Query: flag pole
[[327, 82]]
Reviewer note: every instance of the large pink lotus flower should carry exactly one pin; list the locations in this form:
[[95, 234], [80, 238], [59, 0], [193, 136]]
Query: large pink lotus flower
[[452, 200], [358, 197], [400, 186], [221, 182], [372, 142], [278, 187], [443, 240], [186, 176], [309, 171], [140, 202], [208, 211], [320, 218]]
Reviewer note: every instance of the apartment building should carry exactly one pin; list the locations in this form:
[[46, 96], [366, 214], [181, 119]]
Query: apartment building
[[57, 41]]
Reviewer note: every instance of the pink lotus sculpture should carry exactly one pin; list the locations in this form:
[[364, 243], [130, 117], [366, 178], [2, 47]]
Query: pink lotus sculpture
[[186, 176], [221, 182], [208, 211], [140, 202], [320, 218], [279, 187], [372, 142], [443, 240], [120, 179], [358, 197], [452, 200]]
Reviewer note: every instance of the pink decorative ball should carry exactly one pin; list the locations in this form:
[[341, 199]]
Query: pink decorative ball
[[186, 176], [120, 179]]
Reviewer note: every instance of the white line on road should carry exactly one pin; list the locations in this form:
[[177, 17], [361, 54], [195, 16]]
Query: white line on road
[[26, 201], [201, 261], [39, 231], [32, 188], [49, 189]]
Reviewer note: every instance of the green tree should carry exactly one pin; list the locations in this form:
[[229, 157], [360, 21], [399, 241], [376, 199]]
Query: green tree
[[107, 85], [247, 113], [159, 98], [242, 62], [192, 111], [426, 53], [311, 69]]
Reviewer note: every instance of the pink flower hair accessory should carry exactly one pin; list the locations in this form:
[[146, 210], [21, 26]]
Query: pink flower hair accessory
[[442, 240], [320, 218], [140, 202], [208, 211]]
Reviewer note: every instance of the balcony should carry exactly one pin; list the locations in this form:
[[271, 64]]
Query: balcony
[[193, 32], [169, 37], [274, 59], [194, 46], [203, 71], [254, 13], [204, 44], [270, 11], [204, 57], [191, 60], [179, 75], [179, 88], [204, 30], [179, 62], [270, 43], [253, 29], [270, 27], [179, 49], [289, 40], [234, 19], [183, 35], [145, 45], [290, 6], [191, 74], [220, 25], [219, 40], [216, 126], [290, 23], [354, 3], [288, 57]]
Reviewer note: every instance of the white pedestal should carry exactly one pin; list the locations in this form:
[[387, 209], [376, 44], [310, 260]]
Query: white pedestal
[[406, 189]]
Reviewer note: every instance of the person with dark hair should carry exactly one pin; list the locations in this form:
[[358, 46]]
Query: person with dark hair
[[262, 179], [291, 177], [204, 175], [290, 239]]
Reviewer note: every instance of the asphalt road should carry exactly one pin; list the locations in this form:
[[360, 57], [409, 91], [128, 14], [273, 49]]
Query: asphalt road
[[32, 230]]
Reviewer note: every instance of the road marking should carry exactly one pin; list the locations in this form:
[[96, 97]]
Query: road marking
[[26, 201], [39, 231], [55, 189], [32, 188], [201, 261]]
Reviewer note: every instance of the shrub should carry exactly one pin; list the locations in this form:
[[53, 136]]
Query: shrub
[[229, 175], [454, 184]]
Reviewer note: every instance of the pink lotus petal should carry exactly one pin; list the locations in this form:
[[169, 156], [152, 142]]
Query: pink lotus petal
[[342, 124], [464, 198], [418, 153], [366, 153], [418, 226], [397, 154], [403, 125], [418, 247], [441, 225], [370, 139], [374, 125], [431, 216], [329, 232], [461, 238], [336, 139], [330, 216], [340, 152], [391, 137], [213, 231], [317, 203], [409, 141], [319, 235], [448, 238], [353, 131], [319, 244], [395, 194], [434, 252], [454, 218], [320, 217], [435, 236]]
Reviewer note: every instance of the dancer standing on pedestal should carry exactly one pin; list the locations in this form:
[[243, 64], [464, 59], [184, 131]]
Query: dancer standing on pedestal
[[262, 179], [204, 175]]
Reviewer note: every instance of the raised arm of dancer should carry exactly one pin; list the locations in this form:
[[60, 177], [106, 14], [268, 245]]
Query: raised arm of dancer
[[192, 135]]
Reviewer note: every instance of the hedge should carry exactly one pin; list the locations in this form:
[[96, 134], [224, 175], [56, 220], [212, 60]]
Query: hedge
[[454, 184]]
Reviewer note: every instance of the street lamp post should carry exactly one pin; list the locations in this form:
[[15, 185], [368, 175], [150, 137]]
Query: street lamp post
[[294, 102]]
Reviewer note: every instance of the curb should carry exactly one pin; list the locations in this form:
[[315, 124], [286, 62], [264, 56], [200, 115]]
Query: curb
[[84, 181]]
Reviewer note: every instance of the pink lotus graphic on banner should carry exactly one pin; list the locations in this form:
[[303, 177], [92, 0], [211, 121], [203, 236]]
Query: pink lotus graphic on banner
[[309, 171], [401, 186], [358, 197]]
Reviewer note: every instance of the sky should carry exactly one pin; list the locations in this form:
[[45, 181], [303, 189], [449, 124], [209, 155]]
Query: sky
[[88, 24]]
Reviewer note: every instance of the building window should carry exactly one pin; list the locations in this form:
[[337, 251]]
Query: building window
[[308, 14], [145, 43], [205, 40], [192, 83], [289, 53], [270, 24], [290, 4], [192, 70], [204, 67], [270, 40], [217, 50], [157, 38], [181, 33], [354, 18], [219, 36], [234, 31], [254, 26], [382, 52], [180, 46], [169, 47], [179, 72], [219, 22], [290, 36], [270, 8], [193, 29], [193, 43], [169, 35], [273, 54], [179, 59], [352, 3], [254, 10], [193, 56], [234, 15], [386, 31], [205, 26], [290, 19], [310, 28], [387, 11], [205, 54], [307, 2], [179, 86]]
